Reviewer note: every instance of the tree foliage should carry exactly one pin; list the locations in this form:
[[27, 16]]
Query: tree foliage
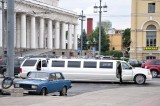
[[126, 38], [94, 40], [115, 53], [84, 41]]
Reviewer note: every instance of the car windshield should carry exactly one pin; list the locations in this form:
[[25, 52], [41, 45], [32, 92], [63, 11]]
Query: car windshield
[[36, 75]]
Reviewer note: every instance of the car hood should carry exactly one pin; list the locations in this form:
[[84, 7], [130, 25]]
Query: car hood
[[31, 81], [142, 70]]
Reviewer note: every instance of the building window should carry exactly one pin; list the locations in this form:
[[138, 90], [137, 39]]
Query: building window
[[150, 57], [151, 36], [151, 7]]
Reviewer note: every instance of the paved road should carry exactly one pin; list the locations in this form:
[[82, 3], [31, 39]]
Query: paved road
[[80, 88]]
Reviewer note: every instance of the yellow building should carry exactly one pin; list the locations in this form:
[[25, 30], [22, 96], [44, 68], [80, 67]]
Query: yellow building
[[115, 40], [145, 29]]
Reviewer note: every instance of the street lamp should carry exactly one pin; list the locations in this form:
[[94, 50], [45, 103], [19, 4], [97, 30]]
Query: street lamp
[[100, 14], [82, 18]]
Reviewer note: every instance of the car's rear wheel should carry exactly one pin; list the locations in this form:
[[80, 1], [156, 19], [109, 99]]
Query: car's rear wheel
[[140, 79], [44, 92], [154, 73], [63, 92]]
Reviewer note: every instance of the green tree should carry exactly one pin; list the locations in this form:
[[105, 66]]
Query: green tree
[[115, 53], [84, 41], [94, 39], [126, 38]]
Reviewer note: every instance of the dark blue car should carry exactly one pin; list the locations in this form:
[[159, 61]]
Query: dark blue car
[[44, 82]]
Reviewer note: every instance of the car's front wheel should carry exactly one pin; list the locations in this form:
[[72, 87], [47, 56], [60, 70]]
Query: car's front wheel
[[44, 92], [63, 92], [140, 79], [154, 73]]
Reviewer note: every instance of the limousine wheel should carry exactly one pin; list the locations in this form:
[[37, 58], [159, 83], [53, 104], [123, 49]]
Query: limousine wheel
[[43, 91], [140, 79], [63, 92]]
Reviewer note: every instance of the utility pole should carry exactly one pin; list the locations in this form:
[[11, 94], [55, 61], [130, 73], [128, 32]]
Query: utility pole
[[100, 16], [10, 38], [82, 19], [2, 29]]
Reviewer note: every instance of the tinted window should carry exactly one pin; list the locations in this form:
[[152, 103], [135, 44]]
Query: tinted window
[[58, 63], [74, 64], [90, 64], [153, 63], [106, 64], [29, 62], [44, 63]]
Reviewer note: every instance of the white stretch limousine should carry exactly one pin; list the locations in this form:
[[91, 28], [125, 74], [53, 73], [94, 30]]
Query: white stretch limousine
[[87, 69]]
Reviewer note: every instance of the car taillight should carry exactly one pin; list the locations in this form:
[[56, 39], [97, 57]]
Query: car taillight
[[149, 72], [20, 70]]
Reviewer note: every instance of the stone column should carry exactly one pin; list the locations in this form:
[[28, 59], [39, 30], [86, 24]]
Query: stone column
[[75, 38], [23, 31], [33, 34], [57, 35], [69, 36], [63, 37], [50, 38], [41, 37], [18, 32]]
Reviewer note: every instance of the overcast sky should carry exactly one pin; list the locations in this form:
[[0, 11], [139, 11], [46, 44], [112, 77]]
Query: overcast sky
[[119, 11]]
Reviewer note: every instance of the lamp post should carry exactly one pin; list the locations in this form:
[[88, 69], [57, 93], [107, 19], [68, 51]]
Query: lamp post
[[82, 19], [100, 14]]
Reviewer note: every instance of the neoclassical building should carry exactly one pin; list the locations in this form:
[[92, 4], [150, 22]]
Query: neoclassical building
[[145, 29], [41, 24]]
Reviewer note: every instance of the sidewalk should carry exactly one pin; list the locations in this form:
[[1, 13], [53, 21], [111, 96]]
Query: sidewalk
[[132, 96]]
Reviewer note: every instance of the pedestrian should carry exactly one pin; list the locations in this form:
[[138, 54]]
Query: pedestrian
[[120, 73]]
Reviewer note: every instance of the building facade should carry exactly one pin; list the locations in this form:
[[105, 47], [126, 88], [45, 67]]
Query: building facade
[[41, 24], [115, 38], [145, 29]]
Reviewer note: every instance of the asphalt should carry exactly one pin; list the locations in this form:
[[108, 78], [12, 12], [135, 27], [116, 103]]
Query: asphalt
[[131, 96]]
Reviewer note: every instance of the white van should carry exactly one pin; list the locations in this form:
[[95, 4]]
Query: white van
[[94, 70]]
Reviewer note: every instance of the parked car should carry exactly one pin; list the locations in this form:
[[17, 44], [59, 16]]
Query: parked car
[[3, 67], [134, 62], [44, 82], [143, 62], [154, 66]]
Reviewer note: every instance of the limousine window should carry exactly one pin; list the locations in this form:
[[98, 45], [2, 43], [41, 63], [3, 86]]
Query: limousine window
[[58, 63], [125, 66], [29, 62], [106, 64], [88, 64], [44, 63], [75, 64]]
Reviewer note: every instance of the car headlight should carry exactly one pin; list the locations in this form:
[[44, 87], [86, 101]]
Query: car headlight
[[16, 85], [34, 87]]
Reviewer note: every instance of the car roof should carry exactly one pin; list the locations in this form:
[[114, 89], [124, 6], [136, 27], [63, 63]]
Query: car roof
[[45, 72]]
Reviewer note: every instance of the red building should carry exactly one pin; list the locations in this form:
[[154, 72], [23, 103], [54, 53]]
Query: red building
[[89, 26]]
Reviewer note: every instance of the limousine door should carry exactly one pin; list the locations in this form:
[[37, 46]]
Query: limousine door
[[44, 65], [127, 72]]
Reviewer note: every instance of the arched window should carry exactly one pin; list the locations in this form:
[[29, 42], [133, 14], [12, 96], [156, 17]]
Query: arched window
[[151, 36]]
